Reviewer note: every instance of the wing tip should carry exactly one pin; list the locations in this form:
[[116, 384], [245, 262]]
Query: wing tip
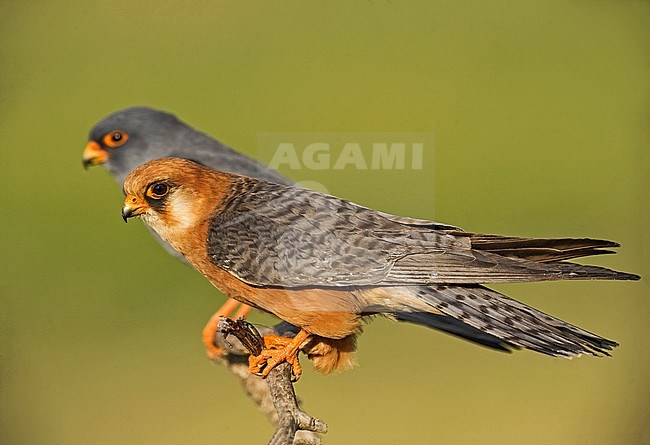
[[625, 276]]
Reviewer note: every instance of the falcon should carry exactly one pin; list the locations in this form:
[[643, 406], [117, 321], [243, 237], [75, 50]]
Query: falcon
[[323, 264]]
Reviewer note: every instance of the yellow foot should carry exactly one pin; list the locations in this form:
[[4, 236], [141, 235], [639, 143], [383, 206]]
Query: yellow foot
[[211, 327], [277, 350]]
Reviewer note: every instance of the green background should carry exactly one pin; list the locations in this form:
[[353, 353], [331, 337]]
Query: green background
[[540, 116]]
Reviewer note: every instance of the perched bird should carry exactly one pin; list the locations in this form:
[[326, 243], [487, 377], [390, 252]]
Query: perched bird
[[130, 137], [323, 264]]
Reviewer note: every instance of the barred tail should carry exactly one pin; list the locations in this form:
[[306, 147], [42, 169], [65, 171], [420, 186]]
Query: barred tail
[[513, 322]]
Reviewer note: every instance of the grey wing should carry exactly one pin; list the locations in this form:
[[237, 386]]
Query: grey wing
[[274, 235]]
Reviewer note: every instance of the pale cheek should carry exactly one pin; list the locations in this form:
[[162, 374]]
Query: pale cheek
[[179, 217], [182, 212]]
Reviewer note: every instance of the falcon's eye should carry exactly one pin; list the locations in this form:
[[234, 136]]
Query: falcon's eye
[[157, 191], [115, 138]]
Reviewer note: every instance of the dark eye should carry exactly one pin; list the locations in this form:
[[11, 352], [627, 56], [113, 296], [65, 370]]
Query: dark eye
[[115, 138], [159, 190]]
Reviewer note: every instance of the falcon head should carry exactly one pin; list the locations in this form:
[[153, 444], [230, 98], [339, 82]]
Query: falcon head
[[132, 136], [172, 195]]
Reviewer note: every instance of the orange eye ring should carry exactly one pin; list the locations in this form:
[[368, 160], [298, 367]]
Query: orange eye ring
[[115, 138]]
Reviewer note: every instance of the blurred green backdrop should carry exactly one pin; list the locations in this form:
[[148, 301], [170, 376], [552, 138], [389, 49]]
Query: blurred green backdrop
[[540, 115]]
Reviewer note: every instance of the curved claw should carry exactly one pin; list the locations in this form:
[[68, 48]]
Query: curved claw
[[278, 350]]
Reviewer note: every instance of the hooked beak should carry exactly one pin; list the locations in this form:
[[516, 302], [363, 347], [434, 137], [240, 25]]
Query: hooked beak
[[93, 155], [132, 207]]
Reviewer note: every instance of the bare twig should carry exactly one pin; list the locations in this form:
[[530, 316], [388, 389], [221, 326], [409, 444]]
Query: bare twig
[[275, 395]]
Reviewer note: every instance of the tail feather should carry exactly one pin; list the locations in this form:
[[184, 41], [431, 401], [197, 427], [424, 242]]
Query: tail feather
[[513, 322], [541, 249]]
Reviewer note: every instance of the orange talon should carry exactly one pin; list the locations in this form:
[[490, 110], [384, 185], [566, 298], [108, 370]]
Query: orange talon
[[211, 327], [277, 350]]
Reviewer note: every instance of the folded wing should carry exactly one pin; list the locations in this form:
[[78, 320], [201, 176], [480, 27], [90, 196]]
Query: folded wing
[[274, 235]]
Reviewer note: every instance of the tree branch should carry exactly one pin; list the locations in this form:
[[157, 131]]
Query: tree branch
[[275, 395]]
